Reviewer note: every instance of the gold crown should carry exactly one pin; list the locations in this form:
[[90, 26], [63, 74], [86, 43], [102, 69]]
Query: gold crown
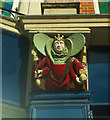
[[59, 37]]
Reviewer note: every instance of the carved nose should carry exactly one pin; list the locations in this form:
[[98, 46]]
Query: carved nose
[[58, 44]]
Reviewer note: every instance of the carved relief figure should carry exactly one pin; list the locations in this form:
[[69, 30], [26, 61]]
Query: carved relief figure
[[62, 70]]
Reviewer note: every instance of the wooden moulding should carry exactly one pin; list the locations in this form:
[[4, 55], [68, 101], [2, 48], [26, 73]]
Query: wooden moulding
[[60, 5]]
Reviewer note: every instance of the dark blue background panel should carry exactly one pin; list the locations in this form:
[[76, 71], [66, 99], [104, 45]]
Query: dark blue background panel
[[59, 111], [98, 62], [14, 68], [101, 111]]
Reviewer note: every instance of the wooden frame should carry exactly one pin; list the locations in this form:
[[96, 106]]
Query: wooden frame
[[60, 5]]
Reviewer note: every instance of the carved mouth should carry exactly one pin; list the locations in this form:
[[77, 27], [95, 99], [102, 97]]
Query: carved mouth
[[58, 47]]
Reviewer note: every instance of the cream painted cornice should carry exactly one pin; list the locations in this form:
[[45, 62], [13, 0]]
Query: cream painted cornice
[[76, 16], [8, 23], [54, 24], [13, 25], [64, 24]]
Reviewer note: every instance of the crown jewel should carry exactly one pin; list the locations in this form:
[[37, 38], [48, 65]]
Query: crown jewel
[[59, 37]]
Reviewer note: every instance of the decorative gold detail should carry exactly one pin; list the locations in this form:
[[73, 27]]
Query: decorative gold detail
[[34, 54], [84, 49], [38, 82], [59, 37], [84, 59]]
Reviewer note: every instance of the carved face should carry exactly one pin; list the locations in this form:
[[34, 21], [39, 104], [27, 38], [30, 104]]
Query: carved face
[[59, 46]]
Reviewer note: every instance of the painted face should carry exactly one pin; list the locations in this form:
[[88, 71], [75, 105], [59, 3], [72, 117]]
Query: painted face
[[59, 46]]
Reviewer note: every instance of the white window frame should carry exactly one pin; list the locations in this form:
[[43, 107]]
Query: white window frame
[[96, 7], [15, 5]]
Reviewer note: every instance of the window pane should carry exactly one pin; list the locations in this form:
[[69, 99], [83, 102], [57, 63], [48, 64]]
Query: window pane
[[7, 6], [104, 7]]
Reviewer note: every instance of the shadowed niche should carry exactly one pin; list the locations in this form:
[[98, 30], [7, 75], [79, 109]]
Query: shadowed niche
[[23, 45]]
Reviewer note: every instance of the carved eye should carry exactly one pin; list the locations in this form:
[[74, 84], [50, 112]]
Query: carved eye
[[56, 42], [61, 42]]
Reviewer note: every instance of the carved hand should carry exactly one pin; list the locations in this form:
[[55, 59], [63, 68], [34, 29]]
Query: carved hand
[[38, 74], [81, 79]]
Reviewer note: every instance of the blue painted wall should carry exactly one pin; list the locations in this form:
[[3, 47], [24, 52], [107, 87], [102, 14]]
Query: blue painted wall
[[15, 49], [98, 68]]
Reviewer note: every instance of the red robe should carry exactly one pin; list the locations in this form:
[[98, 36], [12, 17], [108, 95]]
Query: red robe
[[57, 71]]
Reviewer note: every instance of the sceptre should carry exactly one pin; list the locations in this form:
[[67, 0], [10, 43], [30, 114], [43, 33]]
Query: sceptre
[[36, 66]]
